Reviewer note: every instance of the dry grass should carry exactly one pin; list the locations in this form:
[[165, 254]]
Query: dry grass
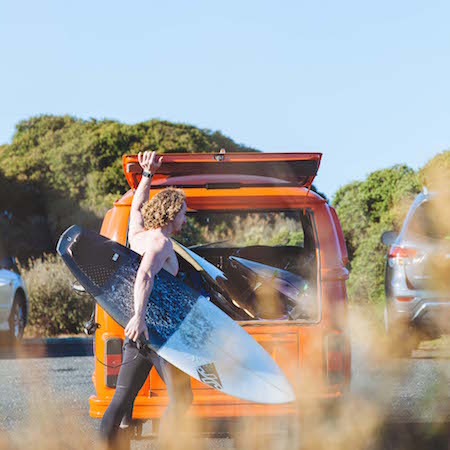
[[54, 307], [353, 424]]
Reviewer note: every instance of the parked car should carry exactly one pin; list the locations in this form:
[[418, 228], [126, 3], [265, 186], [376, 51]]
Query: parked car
[[14, 305], [255, 218], [417, 283]]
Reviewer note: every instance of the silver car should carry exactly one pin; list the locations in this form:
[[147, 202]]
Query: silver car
[[14, 305], [417, 274]]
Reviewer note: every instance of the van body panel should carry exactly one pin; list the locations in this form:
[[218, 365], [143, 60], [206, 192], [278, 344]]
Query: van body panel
[[301, 350]]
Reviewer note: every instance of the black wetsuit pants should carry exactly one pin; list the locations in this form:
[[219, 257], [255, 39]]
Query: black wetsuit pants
[[136, 366]]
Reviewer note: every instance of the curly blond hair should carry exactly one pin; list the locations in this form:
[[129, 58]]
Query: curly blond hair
[[162, 208]]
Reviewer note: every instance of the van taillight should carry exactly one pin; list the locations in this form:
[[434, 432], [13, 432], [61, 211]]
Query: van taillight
[[334, 358], [113, 360]]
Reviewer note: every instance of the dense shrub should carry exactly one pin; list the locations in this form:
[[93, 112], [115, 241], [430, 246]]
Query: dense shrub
[[60, 170], [70, 171], [54, 307]]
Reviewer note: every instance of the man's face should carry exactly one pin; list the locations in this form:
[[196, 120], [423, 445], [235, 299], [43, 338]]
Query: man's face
[[180, 219]]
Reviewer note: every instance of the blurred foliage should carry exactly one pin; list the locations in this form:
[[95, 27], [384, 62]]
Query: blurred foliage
[[24, 227], [54, 307], [435, 175], [83, 158], [61, 170]]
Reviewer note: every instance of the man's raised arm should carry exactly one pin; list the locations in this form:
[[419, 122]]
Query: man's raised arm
[[150, 163]]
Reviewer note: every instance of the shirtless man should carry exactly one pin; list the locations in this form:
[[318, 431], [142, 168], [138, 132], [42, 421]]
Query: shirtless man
[[151, 224]]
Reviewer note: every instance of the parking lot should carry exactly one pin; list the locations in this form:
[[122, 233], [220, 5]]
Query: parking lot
[[394, 403]]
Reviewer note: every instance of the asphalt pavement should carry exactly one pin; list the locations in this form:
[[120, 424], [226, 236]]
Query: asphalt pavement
[[46, 385]]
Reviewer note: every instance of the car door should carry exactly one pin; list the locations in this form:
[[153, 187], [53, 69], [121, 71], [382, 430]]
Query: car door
[[6, 291]]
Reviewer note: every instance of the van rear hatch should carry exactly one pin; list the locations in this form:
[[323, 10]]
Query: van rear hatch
[[215, 170]]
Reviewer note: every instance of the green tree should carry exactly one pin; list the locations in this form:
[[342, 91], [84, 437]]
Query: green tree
[[73, 168], [83, 159]]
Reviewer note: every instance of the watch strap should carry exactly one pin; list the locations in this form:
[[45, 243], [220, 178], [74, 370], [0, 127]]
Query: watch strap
[[147, 174]]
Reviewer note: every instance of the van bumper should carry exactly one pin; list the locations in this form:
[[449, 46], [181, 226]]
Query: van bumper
[[147, 408]]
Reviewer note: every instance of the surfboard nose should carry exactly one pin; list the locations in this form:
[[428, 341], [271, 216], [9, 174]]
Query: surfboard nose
[[277, 391], [269, 385], [281, 397], [285, 392]]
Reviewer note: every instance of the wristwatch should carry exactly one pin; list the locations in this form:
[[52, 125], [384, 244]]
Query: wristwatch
[[147, 174]]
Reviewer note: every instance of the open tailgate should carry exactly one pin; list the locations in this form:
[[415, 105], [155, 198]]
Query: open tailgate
[[247, 169]]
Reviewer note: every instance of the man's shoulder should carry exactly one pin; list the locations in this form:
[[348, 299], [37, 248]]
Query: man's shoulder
[[150, 241], [157, 241]]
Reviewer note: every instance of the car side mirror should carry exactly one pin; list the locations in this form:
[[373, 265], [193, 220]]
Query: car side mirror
[[78, 288], [389, 237]]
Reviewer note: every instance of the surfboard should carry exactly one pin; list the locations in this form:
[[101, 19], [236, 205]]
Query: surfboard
[[185, 328], [293, 291], [288, 295], [227, 291]]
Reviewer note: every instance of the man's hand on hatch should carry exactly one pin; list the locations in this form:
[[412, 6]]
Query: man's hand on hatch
[[150, 161]]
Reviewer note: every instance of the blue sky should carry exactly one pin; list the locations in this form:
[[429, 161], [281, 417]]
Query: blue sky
[[366, 83]]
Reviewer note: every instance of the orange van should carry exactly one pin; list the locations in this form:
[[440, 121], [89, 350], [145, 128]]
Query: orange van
[[248, 210]]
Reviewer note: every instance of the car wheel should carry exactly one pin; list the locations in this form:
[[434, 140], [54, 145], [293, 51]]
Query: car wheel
[[17, 318]]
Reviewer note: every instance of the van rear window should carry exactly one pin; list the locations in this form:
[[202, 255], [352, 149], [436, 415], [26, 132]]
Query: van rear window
[[245, 228], [268, 258]]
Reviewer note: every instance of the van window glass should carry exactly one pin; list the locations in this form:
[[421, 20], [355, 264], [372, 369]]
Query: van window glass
[[244, 228], [268, 259]]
